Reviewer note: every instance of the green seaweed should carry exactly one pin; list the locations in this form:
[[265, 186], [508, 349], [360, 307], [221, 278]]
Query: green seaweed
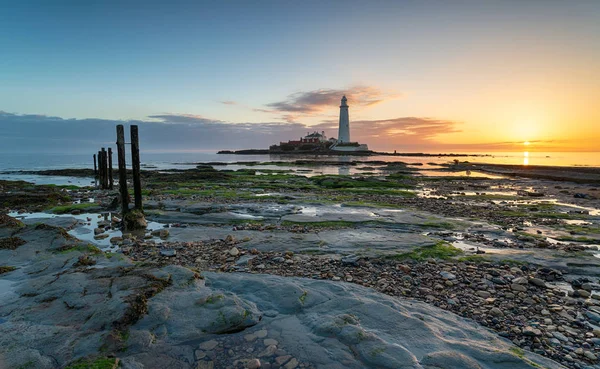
[[441, 250], [97, 363], [302, 297], [63, 209], [6, 269], [474, 259]]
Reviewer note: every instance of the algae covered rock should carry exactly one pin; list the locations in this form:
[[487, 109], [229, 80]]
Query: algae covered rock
[[134, 220]]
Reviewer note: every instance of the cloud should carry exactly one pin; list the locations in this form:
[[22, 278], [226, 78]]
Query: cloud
[[263, 110], [41, 133], [392, 133], [180, 132], [228, 102], [183, 118], [311, 102]]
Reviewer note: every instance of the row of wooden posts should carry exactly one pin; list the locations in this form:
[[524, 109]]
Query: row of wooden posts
[[103, 169]]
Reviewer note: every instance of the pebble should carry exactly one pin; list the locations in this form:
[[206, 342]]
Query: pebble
[[208, 345], [560, 336], [520, 280], [483, 294], [168, 252], [269, 342], [530, 331], [496, 312], [280, 360], [518, 287], [253, 364], [590, 355], [269, 351], [291, 364], [447, 275], [205, 365], [537, 282]]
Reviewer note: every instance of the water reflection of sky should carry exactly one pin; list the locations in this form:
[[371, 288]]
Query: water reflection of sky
[[24, 161], [44, 180], [438, 173], [86, 223]]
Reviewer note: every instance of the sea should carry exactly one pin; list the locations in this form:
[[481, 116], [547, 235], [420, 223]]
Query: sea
[[10, 162]]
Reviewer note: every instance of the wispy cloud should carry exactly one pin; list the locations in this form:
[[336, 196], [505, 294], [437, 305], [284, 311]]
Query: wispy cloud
[[395, 132], [312, 102], [228, 102], [183, 118], [263, 110]]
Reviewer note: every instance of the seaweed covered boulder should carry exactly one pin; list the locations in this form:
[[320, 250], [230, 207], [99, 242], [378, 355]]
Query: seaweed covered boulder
[[134, 219]]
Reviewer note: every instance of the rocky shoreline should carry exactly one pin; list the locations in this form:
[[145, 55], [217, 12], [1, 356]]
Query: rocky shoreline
[[516, 256]]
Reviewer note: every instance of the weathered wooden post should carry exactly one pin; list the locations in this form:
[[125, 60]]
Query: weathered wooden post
[[135, 166], [122, 168], [95, 167], [104, 169], [100, 181], [111, 180]]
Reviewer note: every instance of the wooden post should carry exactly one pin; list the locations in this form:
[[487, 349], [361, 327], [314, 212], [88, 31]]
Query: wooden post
[[122, 168], [111, 180], [95, 167], [135, 166], [100, 171], [103, 168]]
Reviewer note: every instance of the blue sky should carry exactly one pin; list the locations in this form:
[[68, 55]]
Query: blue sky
[[235, 62]]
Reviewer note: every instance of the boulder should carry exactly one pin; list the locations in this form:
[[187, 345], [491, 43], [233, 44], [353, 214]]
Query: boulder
[[134, 219]]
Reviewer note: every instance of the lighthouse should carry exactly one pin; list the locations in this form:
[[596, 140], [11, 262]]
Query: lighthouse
[[344, 130], [343, 142]]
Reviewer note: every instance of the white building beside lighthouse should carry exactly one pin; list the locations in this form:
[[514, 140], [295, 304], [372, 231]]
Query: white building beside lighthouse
[[343, 142]]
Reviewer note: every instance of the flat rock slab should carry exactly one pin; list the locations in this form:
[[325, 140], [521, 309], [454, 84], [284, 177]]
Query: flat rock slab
[[204, 233], [362, 241], [340, 325], [389, 218], [201, 213], [264, 210], [207, 218], [63, 221]]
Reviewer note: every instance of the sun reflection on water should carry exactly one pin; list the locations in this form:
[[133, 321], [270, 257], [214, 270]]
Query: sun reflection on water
[[526, 158]]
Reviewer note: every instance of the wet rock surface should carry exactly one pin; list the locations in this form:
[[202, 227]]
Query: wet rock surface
[[293, 272]]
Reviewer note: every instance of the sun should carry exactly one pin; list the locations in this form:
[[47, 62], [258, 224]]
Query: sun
[[526, 143]]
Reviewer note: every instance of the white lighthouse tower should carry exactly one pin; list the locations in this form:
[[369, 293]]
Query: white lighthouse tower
[[344, 130], [343, 142]]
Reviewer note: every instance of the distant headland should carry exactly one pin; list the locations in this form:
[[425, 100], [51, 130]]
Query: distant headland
[[343, 153]]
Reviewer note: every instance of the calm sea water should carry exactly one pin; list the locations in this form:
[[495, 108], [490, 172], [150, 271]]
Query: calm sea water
[[22, 161]]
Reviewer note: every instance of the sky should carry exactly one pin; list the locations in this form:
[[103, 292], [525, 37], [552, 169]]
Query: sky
[[426, 76]]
